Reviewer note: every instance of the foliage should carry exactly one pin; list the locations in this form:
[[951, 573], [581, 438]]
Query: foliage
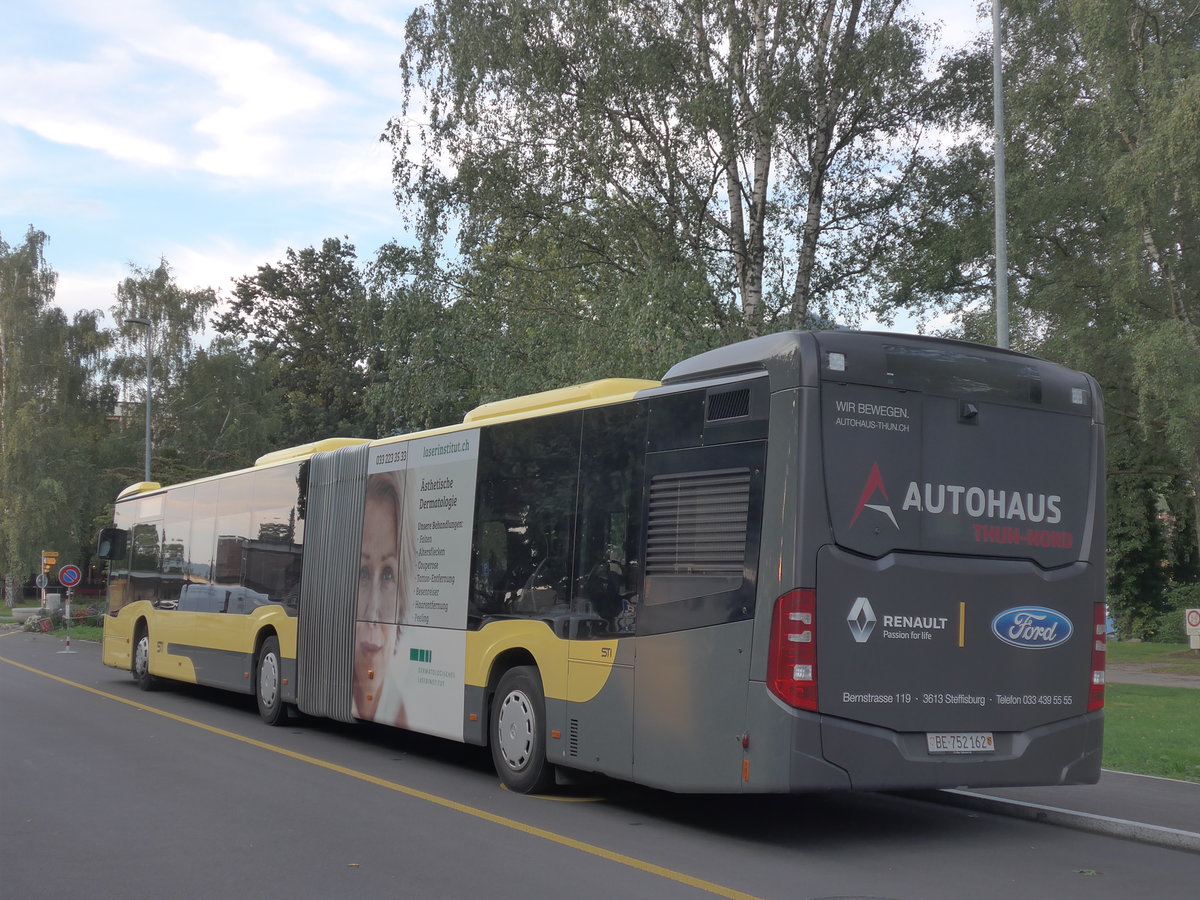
[[1170, 625], [761, 150], [85, 622], [67, 444], [176, 318], [299, 319], [1103, 107], [52, 411], [522, 325], [225, 413], [603, 188]]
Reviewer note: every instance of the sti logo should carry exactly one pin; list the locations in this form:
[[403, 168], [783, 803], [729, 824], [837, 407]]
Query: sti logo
[[874, 486]]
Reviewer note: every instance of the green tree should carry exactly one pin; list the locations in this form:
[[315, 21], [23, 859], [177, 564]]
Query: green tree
[[1103, 110], [53, 408], [177, 316], [763, 148], [523, 322], [226, 411], [300, 319]]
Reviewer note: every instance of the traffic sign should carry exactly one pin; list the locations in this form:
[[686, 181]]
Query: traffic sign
[[1193, 621], [69, 576], [42, 580]]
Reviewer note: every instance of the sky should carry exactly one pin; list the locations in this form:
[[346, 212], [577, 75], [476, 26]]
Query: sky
[[214, 134]]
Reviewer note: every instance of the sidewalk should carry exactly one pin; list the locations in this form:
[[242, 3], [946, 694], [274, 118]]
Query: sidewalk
[[1140, 807], [1158, 811]]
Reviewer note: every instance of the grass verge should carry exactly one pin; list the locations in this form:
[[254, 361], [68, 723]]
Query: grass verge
[[1152, 730], [80, 633], [1172, 659]]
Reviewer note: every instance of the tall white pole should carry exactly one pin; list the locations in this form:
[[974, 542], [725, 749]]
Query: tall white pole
[[1001, 209], [149, 332], [150, 391]]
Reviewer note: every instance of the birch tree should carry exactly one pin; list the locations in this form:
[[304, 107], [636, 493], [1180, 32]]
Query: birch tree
[[766, 146]]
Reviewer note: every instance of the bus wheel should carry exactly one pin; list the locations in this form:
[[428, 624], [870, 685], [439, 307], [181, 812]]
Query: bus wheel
[[268, 682], [140, 667], [518, 732]]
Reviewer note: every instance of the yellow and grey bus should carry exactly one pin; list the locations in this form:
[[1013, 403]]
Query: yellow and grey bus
[[803, 562]]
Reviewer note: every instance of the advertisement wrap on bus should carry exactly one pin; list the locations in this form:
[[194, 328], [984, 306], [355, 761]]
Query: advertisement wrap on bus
[[877, 560], [410, 645]]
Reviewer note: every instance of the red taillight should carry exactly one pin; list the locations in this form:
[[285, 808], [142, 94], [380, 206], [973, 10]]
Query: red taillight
[[1099, 655], [792, 661]]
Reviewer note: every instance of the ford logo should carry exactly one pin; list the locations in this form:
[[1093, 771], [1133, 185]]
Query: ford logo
[[1032, 627]]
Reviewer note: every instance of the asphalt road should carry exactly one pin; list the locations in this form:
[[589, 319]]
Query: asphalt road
[[106, 791]]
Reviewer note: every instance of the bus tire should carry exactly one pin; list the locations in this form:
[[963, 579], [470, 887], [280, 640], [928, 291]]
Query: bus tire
[[139, 666], [517, 736], [268, 683]]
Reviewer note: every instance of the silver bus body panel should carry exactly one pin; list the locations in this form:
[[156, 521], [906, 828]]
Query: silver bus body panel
[[689, 703], [969, 572]]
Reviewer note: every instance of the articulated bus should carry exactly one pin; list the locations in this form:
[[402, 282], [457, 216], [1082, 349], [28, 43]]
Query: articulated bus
[[804, 562]]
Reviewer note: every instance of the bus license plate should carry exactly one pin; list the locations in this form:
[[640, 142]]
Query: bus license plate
[[960, 742]]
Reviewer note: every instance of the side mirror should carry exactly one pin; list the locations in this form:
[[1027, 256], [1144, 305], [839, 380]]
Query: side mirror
[[112, 543]]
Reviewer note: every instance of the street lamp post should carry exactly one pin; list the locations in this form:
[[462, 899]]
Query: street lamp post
[[146, 323], [1001, 208]]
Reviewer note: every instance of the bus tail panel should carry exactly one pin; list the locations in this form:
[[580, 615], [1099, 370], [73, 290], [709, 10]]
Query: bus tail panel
[[957, 602], [919, 643], [1059, 753]]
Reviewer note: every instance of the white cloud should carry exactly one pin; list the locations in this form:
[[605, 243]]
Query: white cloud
[[390, 24], [214, 265], [95, 134], [154, 88]]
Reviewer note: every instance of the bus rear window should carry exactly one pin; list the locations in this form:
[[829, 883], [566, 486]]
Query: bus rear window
[[960, 372]]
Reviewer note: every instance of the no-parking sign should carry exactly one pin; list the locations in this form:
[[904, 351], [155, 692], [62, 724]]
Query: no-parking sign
[[69, 576]]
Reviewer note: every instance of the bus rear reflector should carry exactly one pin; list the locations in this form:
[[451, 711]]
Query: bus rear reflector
[[1099, 656], [792, 660]]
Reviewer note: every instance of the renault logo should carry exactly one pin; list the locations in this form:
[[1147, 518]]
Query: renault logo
[[861, 620]]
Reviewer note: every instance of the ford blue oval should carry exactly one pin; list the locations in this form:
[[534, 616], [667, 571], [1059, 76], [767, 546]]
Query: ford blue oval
[[1032, 627]]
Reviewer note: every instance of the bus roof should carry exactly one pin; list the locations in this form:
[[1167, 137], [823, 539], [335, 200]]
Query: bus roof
[[592, 393]]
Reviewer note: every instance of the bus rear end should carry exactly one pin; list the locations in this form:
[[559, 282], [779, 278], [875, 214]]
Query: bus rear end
[[950, 631]]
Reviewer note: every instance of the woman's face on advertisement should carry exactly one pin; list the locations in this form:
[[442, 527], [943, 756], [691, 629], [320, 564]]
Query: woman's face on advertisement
[[379, 562], [378, 602]]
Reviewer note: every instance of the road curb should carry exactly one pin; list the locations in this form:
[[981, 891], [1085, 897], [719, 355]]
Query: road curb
[[1158, 835]]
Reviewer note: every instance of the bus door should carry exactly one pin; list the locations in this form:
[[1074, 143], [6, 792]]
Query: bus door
[[605, 590], [966, 499]]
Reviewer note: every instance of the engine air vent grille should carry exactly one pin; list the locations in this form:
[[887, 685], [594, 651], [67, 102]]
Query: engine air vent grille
[[698, 523], [729, 405]]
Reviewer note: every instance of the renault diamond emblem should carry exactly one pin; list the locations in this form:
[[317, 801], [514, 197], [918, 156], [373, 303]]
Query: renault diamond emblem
[[861, 620]]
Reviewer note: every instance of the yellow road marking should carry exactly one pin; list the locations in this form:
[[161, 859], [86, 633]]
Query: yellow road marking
[[558, 798], [504, 822]]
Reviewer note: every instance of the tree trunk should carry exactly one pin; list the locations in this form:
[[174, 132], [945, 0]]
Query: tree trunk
[[833, 52]]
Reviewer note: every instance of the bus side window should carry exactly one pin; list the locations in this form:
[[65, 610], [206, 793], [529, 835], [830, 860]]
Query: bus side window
[[176, 547], [118, 568], [608, 532], [145, 561], [524, 513]]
